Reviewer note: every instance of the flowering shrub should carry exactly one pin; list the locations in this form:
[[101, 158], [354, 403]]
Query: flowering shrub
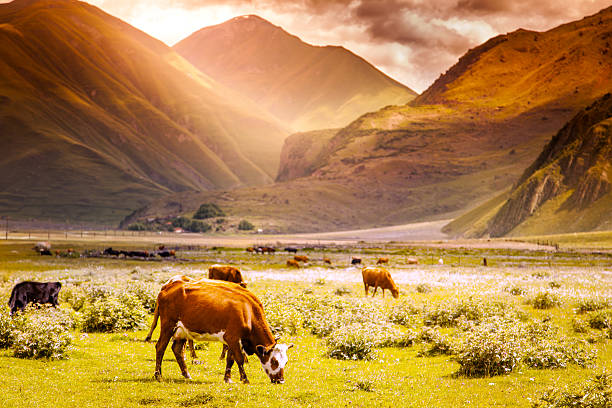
[[43, 333], [355, 342], [282, 316], [596, 392], [491, 348], [449, 314], [113, 313], [516, 290], [545, 300], [438, 343], [404, 313], [423, 288], [8, 325], [592, 304], [147, 294], [601, 319]]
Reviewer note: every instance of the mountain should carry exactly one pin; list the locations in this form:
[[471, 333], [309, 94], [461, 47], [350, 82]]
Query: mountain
[[463, 142], [98, 118], [308, 87], [567, 188]]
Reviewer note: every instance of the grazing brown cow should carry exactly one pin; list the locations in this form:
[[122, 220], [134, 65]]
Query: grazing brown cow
[[327, 260], [382, 261], [293, 263], [300, 258], [412, 261], [250, 249], [215, 310], [226, 273], [378, 278]]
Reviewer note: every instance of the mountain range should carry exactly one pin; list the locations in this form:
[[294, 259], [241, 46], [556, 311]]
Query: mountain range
[[307, 87], [463, 142], [100, 119], [97, 118]]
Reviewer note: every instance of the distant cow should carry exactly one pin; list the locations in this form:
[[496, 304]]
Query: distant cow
[[327, 260], [291, 250], [250, 249], [166, 253], [382, 261], [292, 263], [110, 251], [226, 273], [412, 261], [222, 311], [379, 278], [300, 258], [355, 261], [33, 292]]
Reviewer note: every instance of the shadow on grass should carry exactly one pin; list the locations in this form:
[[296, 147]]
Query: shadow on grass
[[152, 380]]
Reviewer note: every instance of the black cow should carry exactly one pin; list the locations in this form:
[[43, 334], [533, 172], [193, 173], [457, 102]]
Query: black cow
[[33, 292], [111, 251], [290, 249], [355, 261]]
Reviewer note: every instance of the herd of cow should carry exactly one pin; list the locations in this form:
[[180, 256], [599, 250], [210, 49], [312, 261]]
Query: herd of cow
[[217, 308]]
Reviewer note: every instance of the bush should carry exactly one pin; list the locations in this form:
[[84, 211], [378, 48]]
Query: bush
[[45, 333], [244, 225], [438, 343], [492, 348], [8, 325], [601, 319], [350, 343], [596, 392], [404, 313], [341, 291], [449, 314], [208, 210], [516, 290], [113, 313], [554, 284], [423, 288], [146, 294], [137, 226], [198, 226], [545, 300], [592, 305]]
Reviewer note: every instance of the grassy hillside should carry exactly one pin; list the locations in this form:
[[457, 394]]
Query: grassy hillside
[[98, 118], [306, 86]]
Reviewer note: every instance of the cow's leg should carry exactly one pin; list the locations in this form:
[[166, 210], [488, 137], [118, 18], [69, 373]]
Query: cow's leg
[[160, 348], [236, 354], [228, 369], [178, 347], [194, 356], [223, 351], [366, 288], [383, 290], [374, 294]]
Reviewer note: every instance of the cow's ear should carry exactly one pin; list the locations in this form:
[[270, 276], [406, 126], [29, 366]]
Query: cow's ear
[[260, 350]]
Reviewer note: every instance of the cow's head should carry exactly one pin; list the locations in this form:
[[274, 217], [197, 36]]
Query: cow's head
[[395, 292], [273, 359]]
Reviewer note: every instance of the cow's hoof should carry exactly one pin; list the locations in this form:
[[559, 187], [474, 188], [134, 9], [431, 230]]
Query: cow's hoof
[[158, 377], [228, 380]]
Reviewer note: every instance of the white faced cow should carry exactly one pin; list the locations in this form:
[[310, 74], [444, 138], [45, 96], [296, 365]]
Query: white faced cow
[[221, 311]]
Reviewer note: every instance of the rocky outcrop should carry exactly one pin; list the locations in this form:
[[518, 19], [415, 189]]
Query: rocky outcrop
[[577, 159]]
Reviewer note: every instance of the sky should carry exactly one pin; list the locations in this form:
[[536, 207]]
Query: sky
[[413, 41]]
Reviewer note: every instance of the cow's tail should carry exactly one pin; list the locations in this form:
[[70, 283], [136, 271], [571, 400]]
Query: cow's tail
[[154, 324]]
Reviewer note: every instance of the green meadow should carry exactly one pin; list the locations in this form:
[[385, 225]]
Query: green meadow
[[425, 349]]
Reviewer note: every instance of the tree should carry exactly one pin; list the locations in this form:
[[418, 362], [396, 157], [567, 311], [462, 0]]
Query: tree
[[244, 225]]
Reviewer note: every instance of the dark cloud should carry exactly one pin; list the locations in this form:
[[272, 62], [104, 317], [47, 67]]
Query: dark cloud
[[413, 40]]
